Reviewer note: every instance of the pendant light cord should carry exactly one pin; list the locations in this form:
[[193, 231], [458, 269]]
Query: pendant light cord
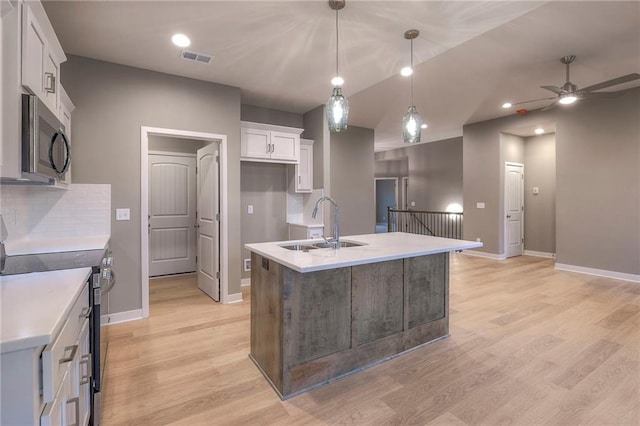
[[337, 44], [412, 73]]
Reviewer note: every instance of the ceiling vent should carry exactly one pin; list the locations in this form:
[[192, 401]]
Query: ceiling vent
[[195, 56]]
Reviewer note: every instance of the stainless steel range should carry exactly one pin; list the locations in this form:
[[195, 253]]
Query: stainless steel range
[[101, 282]]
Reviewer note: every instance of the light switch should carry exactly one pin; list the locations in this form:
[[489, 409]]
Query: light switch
[[413, 204], [123, 214], [480, 205], [250, 209], [536, 190]]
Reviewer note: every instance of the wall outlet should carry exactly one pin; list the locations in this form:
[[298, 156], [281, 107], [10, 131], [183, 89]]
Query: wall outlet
[[413, 204], [247, 265], [478, 240], [123, 214], [480, 205], [250, 209]]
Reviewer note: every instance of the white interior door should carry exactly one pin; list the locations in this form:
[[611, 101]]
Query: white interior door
[[514, 209], [172, 214], [208, 221]]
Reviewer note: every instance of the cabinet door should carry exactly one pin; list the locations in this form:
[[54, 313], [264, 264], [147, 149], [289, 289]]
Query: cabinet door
[[304, 170], [285, 146], [57, 411], [50, 82], [255, 143], [84, 377], [34, 49]]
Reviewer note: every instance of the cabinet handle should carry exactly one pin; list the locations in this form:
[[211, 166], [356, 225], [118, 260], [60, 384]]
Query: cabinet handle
[[50, 86], [75, 401], [86, 360], [74, 349]]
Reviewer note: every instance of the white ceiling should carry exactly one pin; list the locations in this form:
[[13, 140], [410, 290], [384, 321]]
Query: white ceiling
[[471, 56]]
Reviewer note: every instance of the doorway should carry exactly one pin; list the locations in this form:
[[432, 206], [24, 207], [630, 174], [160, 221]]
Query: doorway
[[213, 255], [386, 194], [514, 209]]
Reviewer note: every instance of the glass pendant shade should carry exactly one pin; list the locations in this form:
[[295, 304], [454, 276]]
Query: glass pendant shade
[[411, 126], [337, 111]]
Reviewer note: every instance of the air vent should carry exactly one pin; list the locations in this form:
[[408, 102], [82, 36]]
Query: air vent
[[195, 56]]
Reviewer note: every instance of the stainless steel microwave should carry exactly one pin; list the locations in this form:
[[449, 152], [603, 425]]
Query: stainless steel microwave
[[46, 153]]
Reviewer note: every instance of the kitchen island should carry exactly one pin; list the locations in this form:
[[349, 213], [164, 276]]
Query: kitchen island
[[318, 314]]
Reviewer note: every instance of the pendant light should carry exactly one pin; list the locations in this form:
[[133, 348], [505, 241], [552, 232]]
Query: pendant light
[[337, 106], [412, 123]]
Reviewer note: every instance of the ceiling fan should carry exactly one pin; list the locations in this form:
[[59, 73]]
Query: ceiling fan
[[568, 93]]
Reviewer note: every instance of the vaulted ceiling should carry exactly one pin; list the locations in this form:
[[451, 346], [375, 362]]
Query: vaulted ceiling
[[470, 56]]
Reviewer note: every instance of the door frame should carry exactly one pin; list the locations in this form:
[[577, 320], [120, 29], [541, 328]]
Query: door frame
[[504, 206], [145, 132], [405, 193], [375, 191]]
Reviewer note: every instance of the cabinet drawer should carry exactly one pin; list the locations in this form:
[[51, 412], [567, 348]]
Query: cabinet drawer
[[60, 353], [55, 411]]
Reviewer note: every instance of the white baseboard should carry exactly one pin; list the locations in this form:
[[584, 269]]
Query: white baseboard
[[119, 317], [599, 272], [485, 255], [540, 254], [245, 282], [234, 298]]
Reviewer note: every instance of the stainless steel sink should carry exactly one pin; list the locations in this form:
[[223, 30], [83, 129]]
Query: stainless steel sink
[[343, 244], [299, 247]]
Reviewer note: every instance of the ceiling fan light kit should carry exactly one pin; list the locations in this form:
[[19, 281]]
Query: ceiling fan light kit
[[569, 93], [337, 108], [412, 123]]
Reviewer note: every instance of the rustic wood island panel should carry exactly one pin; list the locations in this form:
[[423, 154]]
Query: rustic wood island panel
[[310, 328]]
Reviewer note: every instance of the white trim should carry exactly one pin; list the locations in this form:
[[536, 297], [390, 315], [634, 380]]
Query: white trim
[[234, 298], [119, 317], [145, 131], [172, 154], [405, 194], [599, 272], [245, 282], [485, 255], [539, 254]]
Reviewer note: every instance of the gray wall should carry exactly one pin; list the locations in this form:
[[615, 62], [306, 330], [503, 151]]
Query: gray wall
[[112, 103], [597, 181], [270, 116], [392, 168], [540, 209], [598, 184], [264, 186], [435, 173], [168, 144], [352, 177]]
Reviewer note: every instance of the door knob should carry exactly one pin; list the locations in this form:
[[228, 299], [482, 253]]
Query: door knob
[[508, 216]]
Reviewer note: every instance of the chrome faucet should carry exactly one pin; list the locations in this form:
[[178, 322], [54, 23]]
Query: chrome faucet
[[336, 226]]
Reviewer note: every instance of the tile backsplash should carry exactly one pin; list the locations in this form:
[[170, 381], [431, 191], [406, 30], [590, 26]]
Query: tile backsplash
[[300, 206], [41, 212]]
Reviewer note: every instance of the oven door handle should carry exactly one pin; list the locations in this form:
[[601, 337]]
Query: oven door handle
[[86, 312]]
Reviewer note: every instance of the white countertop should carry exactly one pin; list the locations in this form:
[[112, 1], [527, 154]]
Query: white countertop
[[34, 306], [49, 245], [306, 225], [379, 247]]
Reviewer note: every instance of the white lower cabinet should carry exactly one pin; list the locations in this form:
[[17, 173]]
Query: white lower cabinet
[[51, 385], [298, 231]]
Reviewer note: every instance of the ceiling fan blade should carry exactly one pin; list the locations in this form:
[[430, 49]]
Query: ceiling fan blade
[[533, 100], [612, 82], [554, 89]]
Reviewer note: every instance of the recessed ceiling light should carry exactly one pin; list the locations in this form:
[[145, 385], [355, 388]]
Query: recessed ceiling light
[[539, 131], [180, 40], [337, 81], [423, 126], [406, 71], [506, 105]]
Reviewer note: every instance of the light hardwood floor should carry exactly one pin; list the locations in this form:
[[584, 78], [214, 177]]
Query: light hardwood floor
[[529, 345]]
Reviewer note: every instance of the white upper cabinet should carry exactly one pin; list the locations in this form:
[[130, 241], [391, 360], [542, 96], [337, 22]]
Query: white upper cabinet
[[269, 143], [41, 55], [303, 171]]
